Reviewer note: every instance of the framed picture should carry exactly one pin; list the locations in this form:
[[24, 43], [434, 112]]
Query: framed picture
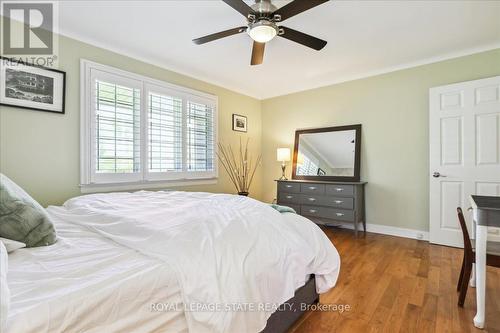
[[31, 87], [321, 172], [239, 123]]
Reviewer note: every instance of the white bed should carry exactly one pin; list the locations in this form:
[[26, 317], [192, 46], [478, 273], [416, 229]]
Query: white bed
[[87, 283], [134, 262]]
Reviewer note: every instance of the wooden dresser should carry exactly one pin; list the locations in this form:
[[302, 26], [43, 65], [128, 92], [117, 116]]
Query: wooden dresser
[[325, 202]]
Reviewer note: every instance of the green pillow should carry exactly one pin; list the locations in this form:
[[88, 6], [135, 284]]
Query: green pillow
[[22, 218]]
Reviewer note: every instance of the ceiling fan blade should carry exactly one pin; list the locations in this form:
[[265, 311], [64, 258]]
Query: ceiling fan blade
[[302, 38], [296, 7], [257, 53], [218, 35], [240, 6]]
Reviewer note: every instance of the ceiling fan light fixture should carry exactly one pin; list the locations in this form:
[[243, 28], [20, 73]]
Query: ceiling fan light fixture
[[262, 19], [262, 31]]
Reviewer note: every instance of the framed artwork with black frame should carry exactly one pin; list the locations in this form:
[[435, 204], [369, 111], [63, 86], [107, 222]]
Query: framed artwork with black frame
[[32, 87], [239, 123]]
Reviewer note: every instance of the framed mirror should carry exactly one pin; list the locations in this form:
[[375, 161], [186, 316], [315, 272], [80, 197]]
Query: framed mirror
[[329, 154]]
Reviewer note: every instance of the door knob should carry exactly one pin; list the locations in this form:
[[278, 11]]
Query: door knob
[[437, 175]]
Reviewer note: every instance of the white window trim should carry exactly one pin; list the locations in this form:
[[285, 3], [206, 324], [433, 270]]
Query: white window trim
[[87, 183]]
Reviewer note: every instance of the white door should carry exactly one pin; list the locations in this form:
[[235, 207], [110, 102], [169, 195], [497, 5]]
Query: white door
[[464, 138]]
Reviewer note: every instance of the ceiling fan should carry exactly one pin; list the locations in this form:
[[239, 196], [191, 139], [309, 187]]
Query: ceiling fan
[[262, 25]]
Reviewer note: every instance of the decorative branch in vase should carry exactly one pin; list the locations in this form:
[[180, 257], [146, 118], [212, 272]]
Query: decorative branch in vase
[[239, 166]]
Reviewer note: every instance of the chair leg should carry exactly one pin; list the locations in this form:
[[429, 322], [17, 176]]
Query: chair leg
[[459, 284], [465, 283], [472, 281]]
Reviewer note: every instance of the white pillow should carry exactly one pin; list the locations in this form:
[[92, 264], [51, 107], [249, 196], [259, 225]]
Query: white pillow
[[12, 245], [4, 288]]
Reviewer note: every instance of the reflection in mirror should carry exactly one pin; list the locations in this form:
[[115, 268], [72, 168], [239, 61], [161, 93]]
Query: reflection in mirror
[[326, 154]]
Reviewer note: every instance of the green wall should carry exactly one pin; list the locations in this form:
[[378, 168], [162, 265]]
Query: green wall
[[393, 109], [40, 151]]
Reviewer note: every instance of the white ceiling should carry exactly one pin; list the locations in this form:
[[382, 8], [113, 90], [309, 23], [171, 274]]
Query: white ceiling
[[364, 38]]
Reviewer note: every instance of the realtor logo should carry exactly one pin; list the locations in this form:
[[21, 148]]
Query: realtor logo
[[28, 31], [36, 22]]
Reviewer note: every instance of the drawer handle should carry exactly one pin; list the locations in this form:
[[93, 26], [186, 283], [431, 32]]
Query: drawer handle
[[312, 188], [340, 214], [289, 197], [312, 210], [338, 202], [311, 199], [339, 189], [288, 186]]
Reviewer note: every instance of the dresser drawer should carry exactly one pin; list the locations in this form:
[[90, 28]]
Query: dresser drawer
[[312, 188], [321, 200], [289, 187], [342, 190], [311, 199], [289, 198], [338, 202], [328, 213]]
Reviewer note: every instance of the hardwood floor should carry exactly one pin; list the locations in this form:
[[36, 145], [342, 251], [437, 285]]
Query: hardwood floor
[[395, 284]]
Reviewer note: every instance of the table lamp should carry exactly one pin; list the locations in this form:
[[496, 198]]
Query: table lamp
[[283, 155]]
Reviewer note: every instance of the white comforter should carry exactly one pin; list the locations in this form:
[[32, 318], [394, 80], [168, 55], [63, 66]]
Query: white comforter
[[235, 258], [88, 283]]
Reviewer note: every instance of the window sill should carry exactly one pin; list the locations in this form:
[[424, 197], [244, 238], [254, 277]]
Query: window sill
[[95, 188]]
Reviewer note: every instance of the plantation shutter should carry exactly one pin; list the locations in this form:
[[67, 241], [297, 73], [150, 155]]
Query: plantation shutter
[[181, 135], [116, 127], [200, 137], [136, 130], [165, 133], [307, 167]]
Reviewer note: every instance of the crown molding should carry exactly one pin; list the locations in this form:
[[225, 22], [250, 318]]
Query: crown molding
[[390, 69], [154, 62]]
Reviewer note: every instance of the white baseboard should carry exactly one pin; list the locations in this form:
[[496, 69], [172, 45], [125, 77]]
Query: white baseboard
[[390, 230]]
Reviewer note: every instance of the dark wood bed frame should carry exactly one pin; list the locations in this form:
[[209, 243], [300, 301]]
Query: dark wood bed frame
[[281, 321]]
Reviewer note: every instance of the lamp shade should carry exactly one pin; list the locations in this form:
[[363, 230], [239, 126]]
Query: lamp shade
[[283, 154]]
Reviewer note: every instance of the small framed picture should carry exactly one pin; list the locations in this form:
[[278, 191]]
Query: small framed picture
[[31, 87], [321, 172], [239, 123]]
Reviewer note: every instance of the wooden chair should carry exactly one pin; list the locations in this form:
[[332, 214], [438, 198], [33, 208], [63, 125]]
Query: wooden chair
[[492, 258]]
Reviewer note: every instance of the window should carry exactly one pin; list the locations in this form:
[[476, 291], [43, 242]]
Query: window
[[137, 130], [308, 167], [200, 144], [117, 116], [165, 133], [307, 164]]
